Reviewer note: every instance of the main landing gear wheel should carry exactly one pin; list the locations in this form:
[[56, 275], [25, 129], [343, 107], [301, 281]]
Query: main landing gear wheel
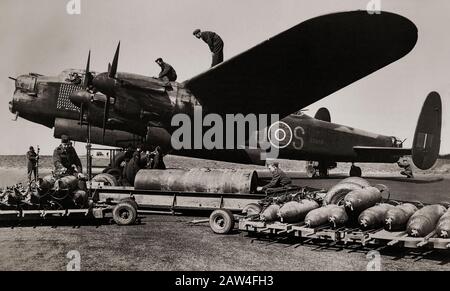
[[116, 173], [221, 221], [323, 172], [355, 171], [310, 171]]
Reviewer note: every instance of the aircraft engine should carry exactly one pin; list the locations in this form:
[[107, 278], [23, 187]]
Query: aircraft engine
[[158, 136]]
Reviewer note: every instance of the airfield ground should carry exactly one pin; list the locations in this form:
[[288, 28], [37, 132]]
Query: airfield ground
[[171, 243]]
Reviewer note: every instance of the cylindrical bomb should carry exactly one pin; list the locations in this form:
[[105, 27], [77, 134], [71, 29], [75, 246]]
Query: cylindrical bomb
[[198, 180], [424, 221], [443, 226], [356, 180], [359, 200], [338, 216], [373, 217], [270, 213], [338, 191], [46, 183], [397, 218], [67, 183], [319, 216], [296, 211]]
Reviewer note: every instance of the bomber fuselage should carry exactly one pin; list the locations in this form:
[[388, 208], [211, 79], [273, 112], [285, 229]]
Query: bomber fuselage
[[142, 108]]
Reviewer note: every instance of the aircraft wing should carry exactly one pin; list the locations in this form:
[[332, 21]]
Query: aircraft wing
[[305, 63]]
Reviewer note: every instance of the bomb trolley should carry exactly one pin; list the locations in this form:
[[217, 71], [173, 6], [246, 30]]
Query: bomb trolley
[[351, 233], [343, 235], [173, 202], [18, 203], [124, 213]]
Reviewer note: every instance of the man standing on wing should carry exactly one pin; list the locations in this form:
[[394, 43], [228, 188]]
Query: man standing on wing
[[215, 44]]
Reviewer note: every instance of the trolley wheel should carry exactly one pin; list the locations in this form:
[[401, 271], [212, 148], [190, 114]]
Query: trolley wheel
[[124, 213], [107, 179], [221, 221], [131, 201]]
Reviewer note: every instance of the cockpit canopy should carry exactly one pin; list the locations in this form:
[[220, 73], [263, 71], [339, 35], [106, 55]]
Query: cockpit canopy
[[74, 76], [27, 83]]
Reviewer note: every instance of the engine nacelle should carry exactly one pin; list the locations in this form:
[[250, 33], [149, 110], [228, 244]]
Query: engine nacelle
[[158, 136], [115, 138]]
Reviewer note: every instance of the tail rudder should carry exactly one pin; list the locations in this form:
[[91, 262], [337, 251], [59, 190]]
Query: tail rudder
[[427, 137]]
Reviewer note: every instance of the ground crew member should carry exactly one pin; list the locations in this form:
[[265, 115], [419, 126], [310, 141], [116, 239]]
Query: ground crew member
[[67, 162], [215, 44], [32, 159], [279, 178], [157, 162], [133, 166], [122, 158], [404, 163], [167, 71], [65, 158]]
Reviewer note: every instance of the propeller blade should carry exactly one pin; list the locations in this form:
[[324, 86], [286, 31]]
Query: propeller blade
[[113, 70], [105, 116], [87, 78]]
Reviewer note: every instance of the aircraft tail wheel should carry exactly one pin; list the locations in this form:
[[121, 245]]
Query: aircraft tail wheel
[[221, 221], [323, 173], [355, 171], [124, 213]]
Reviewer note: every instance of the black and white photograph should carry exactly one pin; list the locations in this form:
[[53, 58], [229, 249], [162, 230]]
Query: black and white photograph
[[224, 138]]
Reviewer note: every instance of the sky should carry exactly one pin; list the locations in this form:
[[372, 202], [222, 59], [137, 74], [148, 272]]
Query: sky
[[40, 36]]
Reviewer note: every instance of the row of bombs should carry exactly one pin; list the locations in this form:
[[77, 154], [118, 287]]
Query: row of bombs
[[358, 200], [17, 194], [14, 194]]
